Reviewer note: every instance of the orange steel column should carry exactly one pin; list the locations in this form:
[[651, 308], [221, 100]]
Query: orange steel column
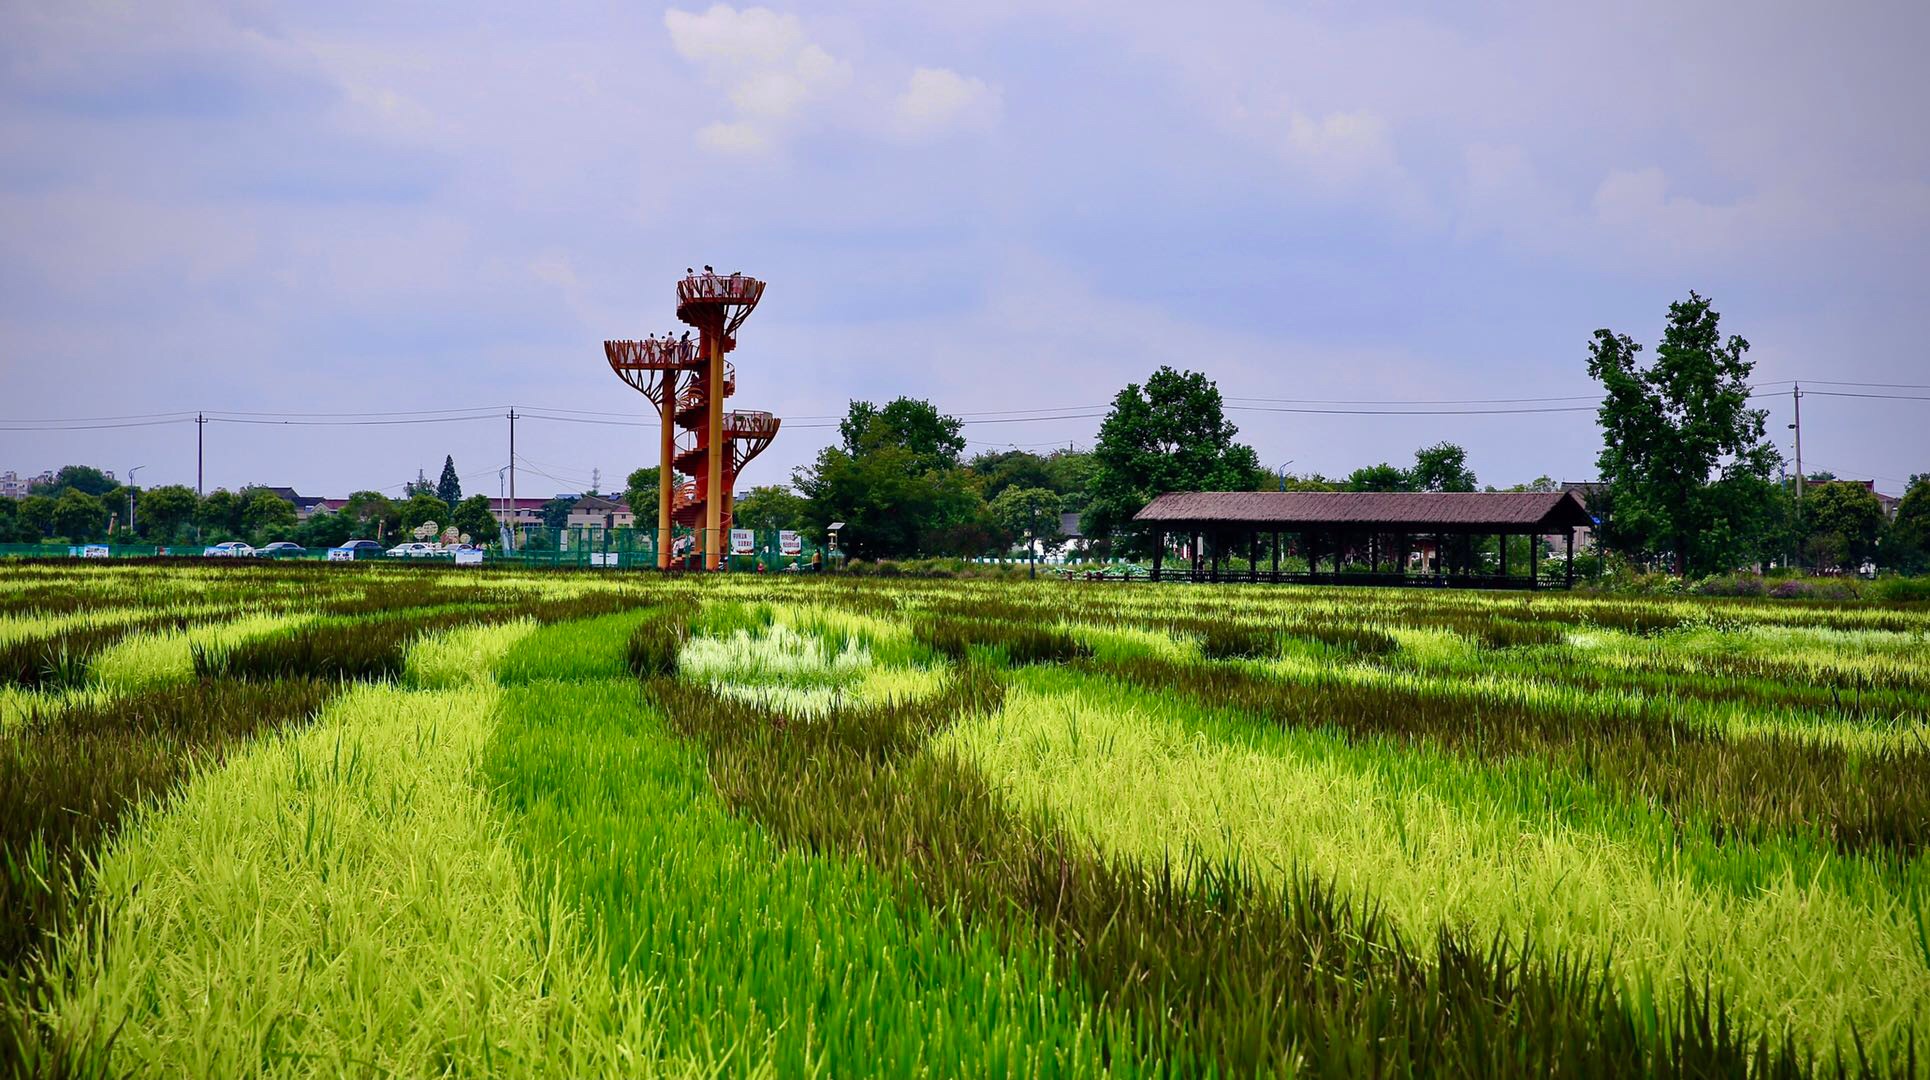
[[714, 496], [664, 471]]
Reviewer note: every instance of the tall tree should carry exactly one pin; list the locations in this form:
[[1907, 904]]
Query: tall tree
[[1382, 477], [423, 507], [267, 517], [896, 484], [1441, 467], [1842, 522], [770, 507], [37, 517], [1685, 458], [1906, 542], [371, 514], [917, 427], [219, 515], [473, 518], [1170, 435], [83, 478], [79, 516], [162, 511], [449, 485]]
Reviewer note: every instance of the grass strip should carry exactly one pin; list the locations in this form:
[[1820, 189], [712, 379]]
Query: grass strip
[[1209, 970], [338, 901], [1752, 787], [1794, 936]]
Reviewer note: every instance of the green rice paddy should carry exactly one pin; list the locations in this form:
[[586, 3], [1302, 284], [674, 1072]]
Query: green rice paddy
[[318, 820]]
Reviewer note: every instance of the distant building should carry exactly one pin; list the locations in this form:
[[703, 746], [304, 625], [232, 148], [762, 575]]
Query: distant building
[[306, 506], [596, 511], [518, 511], [11, 486]]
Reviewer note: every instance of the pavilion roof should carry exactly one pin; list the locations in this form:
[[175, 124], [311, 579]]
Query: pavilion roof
[[1475, 511]]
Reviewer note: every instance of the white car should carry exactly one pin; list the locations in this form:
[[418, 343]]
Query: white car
[[412, 551], [232, 549]]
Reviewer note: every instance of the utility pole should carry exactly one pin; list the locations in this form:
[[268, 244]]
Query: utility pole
[[130, 495], [514, 517], [1797, 396], [200, 428]]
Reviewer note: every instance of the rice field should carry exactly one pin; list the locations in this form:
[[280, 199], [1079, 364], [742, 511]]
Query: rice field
[[371, 820]]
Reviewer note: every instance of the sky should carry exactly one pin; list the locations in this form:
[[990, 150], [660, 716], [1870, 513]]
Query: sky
[[271, 213]]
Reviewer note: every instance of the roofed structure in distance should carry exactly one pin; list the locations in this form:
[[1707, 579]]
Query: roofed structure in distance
[[1475, 511]]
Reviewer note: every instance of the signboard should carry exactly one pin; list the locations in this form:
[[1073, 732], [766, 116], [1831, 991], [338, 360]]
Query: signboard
[[94, 551], [341, 554], [603, 558], [469, 557], [789, 543], [743, 542]]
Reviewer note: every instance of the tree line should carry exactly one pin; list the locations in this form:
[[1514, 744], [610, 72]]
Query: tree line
[[1689, 480]]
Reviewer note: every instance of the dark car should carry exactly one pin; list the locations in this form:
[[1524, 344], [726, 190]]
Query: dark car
[[281, 549], [361, 549]]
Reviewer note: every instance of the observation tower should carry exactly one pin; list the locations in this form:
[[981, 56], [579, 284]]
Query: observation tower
[[688, 381]]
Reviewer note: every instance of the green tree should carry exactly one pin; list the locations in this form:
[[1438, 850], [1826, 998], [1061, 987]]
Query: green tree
[[1841, 525], [422, 507], [10, 527], [556, 512], [640, 495], [267, 517], [36, 518], [1001, 469], [473, 518], [324, 529], [1441, 467], [162, 512], [770, 507], [449, 485], [1906, 542], [79, 516], [931, 438], [896, 484], [1070, 473], [1685, 458], [1033, 511], [219, 515], [1170, 435], [370, 515], [83, 478], [1382, 477]]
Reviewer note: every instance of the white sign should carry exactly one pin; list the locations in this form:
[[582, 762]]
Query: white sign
[[341, 554], [469, 557], [94, 551], [603, 558], [789, 542], [742, 542]]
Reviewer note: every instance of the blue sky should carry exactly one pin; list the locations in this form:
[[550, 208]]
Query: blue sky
[[996, 206]]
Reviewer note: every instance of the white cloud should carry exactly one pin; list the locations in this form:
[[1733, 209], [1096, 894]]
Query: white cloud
[[937, 100], [1340, 148], [767, 69]]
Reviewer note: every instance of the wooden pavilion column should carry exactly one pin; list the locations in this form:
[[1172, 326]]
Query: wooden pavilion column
[[1534, 561], [1253, 556], [1159, 551], [1568, 575], [1198, 552], [1504, 556], [1276, 556]]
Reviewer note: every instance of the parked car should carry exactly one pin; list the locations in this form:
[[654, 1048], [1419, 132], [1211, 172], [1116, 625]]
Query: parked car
[[416, 550], [281, 549], [360, 549], [231, 549]]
